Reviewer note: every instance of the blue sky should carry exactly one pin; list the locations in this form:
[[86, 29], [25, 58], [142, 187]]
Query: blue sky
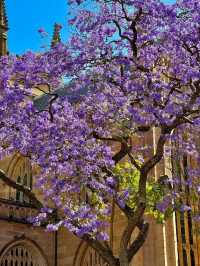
[[27, 16]]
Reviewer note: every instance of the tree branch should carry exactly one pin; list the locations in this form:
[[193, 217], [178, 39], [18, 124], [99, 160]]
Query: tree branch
[[133, 161], [139, 241], [125, 149], [120, 31], [135, 217], [147, 166], [103, 249]]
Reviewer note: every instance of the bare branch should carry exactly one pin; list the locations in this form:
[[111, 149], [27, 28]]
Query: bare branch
[[133, 161], [120, 32], [147, 166], [53, 99], [125, 148], [124, 11]]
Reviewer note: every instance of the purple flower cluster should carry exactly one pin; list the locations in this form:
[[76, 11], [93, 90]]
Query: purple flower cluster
[[127, 78]]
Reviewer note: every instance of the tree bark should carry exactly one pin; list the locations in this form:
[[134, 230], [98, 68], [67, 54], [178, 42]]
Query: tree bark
[[123, 258]]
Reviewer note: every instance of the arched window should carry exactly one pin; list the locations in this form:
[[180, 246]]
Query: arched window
[[25, 179], [22, 254], [87, 256], [92, 258], [18, 169], [18, 193], [188, 244]]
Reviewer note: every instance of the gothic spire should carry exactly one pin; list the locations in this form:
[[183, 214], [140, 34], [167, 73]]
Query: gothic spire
[[3, 28], [56, 35], [3, 16]]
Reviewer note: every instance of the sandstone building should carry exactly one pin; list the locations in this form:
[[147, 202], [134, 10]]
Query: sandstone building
[[21, 244]]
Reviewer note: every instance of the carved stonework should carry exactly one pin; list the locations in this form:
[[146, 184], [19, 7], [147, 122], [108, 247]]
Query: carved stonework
[[18, 212], [92, 258], [87, 256], [22, 253], [3, 28]]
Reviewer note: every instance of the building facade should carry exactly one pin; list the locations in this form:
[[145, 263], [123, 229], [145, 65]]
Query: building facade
[[22, 244]]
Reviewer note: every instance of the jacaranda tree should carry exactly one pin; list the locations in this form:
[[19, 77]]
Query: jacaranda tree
[[130, 67]]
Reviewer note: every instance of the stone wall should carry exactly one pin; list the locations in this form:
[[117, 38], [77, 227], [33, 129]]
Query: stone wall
[[158, 250], [11, 233]]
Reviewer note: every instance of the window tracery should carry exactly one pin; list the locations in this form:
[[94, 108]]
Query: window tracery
[[22, 253], [19, 256], [92, 258]]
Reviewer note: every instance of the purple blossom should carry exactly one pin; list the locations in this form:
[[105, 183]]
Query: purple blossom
[[196, 218], [102, 236], [164, 205], [53, 227], [185, 208], [110, 181], [42, 32]]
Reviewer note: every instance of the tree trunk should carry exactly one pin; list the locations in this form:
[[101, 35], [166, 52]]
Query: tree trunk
[[123, 256], [124, 261]]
